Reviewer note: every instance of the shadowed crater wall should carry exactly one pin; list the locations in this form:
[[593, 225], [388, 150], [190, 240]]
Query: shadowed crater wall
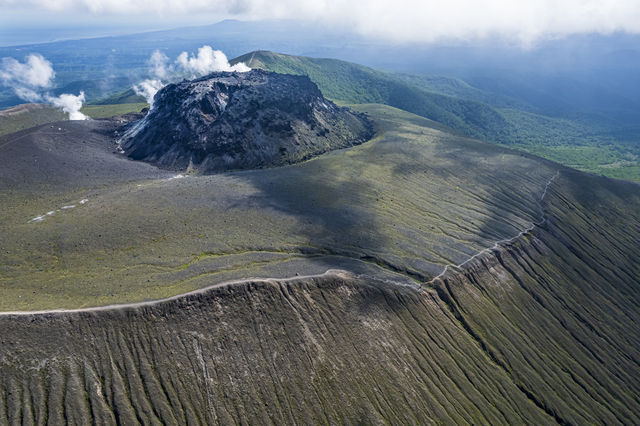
[[232, 121], [326, 350]]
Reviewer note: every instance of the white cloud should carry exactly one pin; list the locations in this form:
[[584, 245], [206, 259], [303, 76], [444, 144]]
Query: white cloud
[[208, 61], [37, 74], [399, 20], [27, 94]]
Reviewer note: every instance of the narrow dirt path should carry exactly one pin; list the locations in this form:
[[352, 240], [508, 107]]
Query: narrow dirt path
[[330, 272], [507, 240]]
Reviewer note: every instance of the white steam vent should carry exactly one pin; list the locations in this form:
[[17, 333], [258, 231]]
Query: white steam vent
[[28, 79], [205, 62]]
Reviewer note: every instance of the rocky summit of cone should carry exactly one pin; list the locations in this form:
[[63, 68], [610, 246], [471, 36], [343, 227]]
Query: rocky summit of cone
[[237, 121]]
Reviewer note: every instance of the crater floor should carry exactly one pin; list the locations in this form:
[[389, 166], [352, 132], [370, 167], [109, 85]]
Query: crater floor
[[414, 199]]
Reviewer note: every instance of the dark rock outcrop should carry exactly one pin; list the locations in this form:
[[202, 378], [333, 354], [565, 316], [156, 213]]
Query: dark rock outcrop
[[231, 121]]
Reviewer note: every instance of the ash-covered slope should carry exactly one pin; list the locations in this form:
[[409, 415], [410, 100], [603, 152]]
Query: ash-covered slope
[[230, 121], [540, 329], [544, 331], [26, 116]]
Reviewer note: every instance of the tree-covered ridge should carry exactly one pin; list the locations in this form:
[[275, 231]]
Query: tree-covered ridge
[[587, 141]]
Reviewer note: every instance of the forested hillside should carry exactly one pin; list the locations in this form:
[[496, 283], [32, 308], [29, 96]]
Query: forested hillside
[[587, 141]]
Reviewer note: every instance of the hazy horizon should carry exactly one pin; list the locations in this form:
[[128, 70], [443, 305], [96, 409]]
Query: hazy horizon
[[526, 24]]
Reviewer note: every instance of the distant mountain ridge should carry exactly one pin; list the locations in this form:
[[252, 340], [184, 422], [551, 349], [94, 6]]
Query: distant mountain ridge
[[582, 112], [354, 83], [586, 140]]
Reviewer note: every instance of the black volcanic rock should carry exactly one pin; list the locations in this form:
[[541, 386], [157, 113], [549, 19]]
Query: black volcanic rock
[[231, 121]]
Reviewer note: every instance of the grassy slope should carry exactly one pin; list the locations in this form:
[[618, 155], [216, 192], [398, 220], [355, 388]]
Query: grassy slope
[[542, 332], [26, 116], [452, 86], [110, 110], [411, 200], [333, 350], [559, 310], [125, 97], [353, 83], [588, 142]]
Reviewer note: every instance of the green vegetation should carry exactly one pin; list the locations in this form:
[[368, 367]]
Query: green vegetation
[[544, 330], [330, 350], [586, 141], [353, 83], [125, 97], [455, 87], [107, 110], [413, 199], [28, 115], [567, 138], [541, 329]]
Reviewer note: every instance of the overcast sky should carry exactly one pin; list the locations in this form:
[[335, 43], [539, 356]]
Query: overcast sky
[[522, 21]]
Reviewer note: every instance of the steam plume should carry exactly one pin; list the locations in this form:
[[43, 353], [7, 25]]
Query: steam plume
[[70, 104], [34, 75], [148, 89], [158, 64], [36, 72], [207, 61]]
